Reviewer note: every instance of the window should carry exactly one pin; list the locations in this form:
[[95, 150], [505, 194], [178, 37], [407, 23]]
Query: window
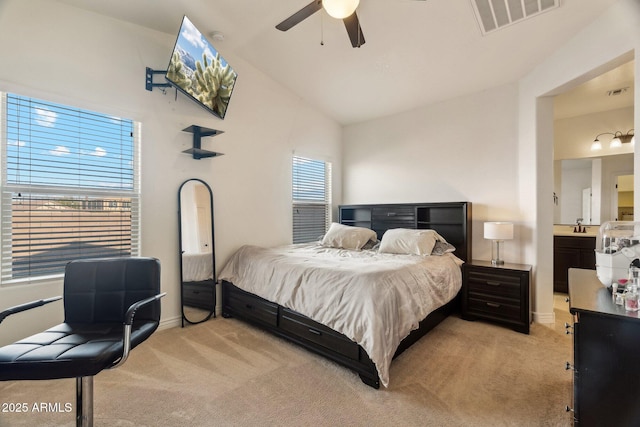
[[70, 187], [311, 199]]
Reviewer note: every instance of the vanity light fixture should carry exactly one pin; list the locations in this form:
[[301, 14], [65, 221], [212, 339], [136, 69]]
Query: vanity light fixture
[[618, 139], [497, 232]]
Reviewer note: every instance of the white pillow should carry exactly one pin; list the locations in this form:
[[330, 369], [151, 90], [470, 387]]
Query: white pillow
[[442, 248], [409, 242], [347, 237]]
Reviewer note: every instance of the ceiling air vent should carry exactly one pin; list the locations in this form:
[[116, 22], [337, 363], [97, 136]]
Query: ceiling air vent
[[495, 14], [616, 92]]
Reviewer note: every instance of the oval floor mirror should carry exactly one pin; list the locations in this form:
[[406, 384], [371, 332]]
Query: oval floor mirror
[[197, 251]]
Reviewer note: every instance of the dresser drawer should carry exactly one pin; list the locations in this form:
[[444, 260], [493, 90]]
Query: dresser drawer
[[316, 333], [250, 306]]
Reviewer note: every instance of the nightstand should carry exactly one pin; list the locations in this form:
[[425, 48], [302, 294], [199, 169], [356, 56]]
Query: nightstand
[[498, 293]]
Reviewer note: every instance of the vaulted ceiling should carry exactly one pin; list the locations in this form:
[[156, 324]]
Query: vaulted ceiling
[[416, 52]]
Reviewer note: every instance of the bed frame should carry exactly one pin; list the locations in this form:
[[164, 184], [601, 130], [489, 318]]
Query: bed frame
[[452, 220]]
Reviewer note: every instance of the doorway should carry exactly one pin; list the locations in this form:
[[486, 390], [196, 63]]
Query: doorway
[[604, 190], [596, 109]]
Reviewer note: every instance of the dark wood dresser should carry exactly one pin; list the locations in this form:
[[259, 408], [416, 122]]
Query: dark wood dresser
[[499, 293], [606, 355]]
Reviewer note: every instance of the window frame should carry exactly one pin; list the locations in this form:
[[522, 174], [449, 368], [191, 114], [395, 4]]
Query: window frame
[[309, 204], [88, 196]]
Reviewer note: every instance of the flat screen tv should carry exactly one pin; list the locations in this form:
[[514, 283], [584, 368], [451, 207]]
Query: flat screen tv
[[200, 72]]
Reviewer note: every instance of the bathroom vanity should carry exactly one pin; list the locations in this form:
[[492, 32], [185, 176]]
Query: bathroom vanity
[[572, 250]]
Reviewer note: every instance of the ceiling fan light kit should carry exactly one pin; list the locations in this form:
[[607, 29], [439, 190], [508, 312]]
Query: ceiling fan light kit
[[340, 9]]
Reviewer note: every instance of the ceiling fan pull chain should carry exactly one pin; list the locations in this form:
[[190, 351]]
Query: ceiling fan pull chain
[[321, 29]]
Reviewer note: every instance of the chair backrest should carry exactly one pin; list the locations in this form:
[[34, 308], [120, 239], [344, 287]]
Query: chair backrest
[[101, 290]]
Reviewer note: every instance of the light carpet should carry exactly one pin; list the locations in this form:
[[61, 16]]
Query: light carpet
[[226, 373]]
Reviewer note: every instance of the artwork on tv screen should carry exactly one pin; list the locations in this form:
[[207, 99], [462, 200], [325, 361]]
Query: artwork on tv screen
[[197, 69]]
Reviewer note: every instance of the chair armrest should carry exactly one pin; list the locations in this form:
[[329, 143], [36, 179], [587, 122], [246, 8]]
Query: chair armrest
[[131, 312], [27, 306], [128, 322]]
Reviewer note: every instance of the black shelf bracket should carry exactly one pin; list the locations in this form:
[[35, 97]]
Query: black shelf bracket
[[149, 84], [198, 132]]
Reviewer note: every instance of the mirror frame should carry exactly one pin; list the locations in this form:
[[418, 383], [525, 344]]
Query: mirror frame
[[212, 312]]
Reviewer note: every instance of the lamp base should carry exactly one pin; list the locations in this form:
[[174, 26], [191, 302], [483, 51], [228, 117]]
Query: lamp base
[[495, 253]]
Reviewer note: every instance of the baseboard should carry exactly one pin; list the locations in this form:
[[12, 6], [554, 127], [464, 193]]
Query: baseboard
[[174, 322], [545, 318]]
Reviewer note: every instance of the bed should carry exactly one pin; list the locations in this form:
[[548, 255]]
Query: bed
[[359, 308]]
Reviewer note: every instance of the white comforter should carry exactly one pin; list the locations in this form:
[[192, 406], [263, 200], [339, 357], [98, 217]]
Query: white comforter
[[374, 299]]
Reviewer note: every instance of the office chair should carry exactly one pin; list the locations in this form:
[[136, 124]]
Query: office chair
[[110, 306]]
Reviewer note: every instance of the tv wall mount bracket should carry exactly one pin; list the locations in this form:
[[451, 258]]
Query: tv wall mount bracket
[[149, 84]]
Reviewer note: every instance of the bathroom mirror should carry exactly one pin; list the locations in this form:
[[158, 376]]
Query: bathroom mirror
[[596, 189], [197, 251]]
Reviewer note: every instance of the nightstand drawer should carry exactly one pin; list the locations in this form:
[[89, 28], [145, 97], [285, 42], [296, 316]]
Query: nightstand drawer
[[494, 284], [503, 309]]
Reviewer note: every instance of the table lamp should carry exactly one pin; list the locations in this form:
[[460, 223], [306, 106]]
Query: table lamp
[[497, 232]]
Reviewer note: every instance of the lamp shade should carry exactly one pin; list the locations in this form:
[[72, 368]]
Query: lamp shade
[[498, 230], [340, 9]]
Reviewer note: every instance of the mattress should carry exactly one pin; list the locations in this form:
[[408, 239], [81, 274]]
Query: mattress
[[375, 299]]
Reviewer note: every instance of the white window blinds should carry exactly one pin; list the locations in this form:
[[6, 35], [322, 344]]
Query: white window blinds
[[311, 199], [70, 187]]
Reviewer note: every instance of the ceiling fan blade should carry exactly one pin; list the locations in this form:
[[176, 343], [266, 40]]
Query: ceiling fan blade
[[300, 15], [355, 31]]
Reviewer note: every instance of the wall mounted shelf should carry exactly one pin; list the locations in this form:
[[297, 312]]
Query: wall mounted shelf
[[198, 132]]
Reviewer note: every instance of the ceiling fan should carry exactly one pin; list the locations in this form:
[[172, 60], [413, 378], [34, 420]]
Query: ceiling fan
[[339, 9]]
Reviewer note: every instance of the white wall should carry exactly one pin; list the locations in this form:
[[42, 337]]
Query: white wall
[[457, 150], [67, 55]]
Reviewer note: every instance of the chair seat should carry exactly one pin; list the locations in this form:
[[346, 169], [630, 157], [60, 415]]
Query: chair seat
[[69, 350]]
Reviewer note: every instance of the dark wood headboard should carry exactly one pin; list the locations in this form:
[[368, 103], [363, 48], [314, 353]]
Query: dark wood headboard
[[452, 220]]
